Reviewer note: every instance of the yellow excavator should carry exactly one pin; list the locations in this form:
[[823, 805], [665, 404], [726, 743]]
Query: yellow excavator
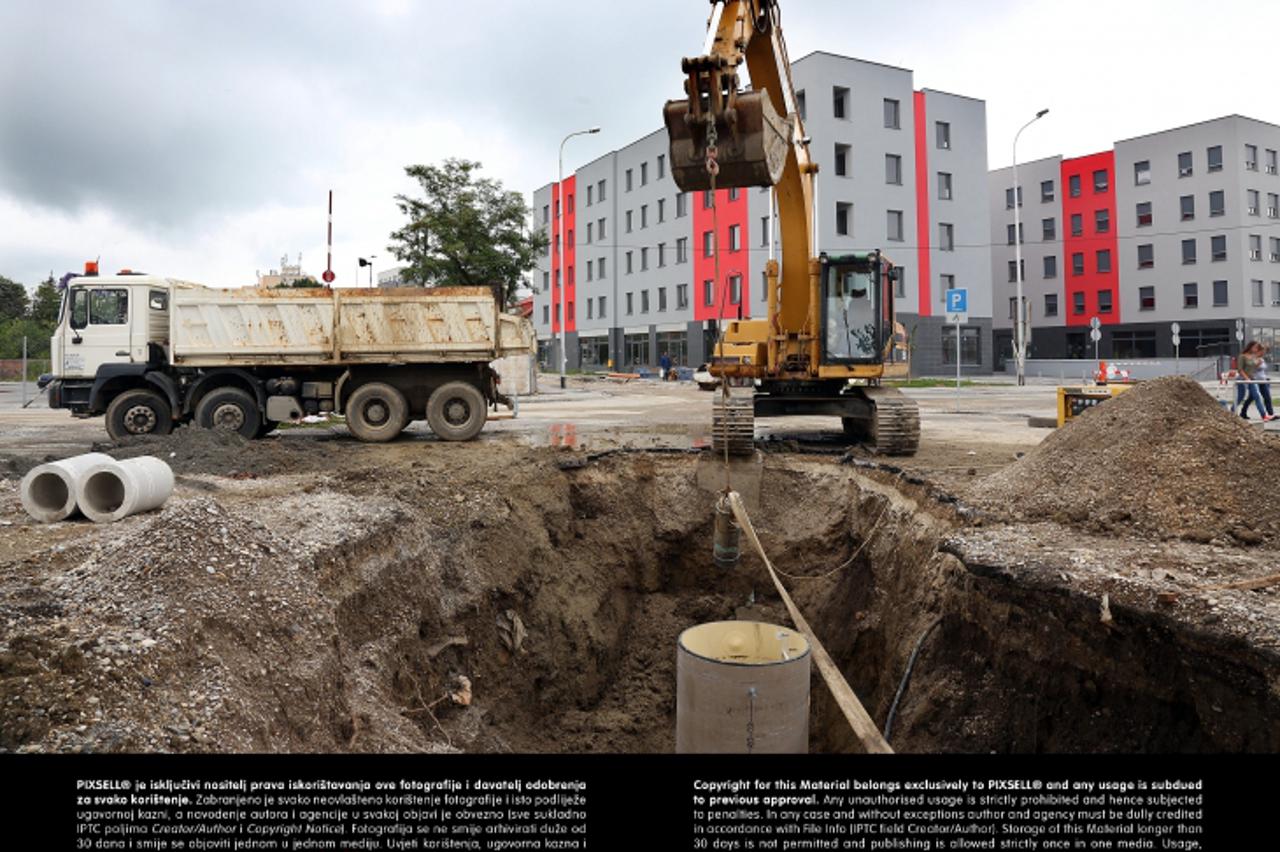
[[829, 338]]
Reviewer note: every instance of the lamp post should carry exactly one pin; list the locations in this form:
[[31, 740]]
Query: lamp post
[[564, 279], [1020, 353], [363, 263]]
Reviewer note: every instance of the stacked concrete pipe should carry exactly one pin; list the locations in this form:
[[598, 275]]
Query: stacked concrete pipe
[[97, 485], [49, 490], [111, 490]]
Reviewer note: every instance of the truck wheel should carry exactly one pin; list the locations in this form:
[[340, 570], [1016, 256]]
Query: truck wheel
[[376, 412], [138, 412], [231, 409], [456, 411]]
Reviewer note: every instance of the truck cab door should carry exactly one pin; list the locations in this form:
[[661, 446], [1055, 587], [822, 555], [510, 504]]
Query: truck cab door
[[97, 330]]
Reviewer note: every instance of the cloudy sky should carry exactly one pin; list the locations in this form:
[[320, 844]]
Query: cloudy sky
[[198, 139]]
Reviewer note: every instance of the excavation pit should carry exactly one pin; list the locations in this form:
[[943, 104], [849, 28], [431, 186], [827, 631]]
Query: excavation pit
[[532, 603]]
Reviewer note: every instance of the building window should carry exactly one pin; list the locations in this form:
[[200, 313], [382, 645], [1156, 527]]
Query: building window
[[546, 314], [644, 216], [628, 221], [1256, 288], [682, 205], [1051, 304], [942, 133], [708, 199], [1133, 344], [662, 298], [708, 243], [628, 176], [970, 346], [1255, 247], [842, 160], [735, 289], [764, 231], [1050, 266], [1217, 203], [893, 169], [735, 238], [590, 270], [1077, 263], [800, 105], [1218, 247], [1215, 158], [1219, 294], [1146, 298], [629, 262], [662, 210], [844, 215], [839, 102], [682, 250], [1077, 224], [1008, 198], [1008, 234], [1102, 258], [590, 229], [1275, 293], [1187, 204], [1271, 161], [600, 228], [600, 268], [1251, 157], [1013, 266], [1191, 295], [946, 237], [590, 197], [546, 213], [1142, 173], [1102, 220], [630, 304], [1048, 229], [546, 282], [1144, 213], [1073, 186], [944, 186], [1275, 249], [1146, 256], [644, 301], [1189, 251], [948, 282], [600, 190], [662, 255], [644, 258], [895, 226], [733, 193], [1046, 191], [892, 114], [1184, 164], [1253, 201], [644, 174], [590, 309], [1100, 182], [1104, 301], [1077, 303], [662, 166], [1273, 205], [708, 292], [682, 296]]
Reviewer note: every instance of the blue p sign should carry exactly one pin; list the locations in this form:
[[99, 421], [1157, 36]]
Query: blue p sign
[[957, 301]]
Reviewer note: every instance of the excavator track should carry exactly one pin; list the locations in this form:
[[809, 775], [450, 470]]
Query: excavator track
[[733, 422], [895, 426]]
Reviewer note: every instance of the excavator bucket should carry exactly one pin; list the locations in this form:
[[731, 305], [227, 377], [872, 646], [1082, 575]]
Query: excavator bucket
[[752, 143]]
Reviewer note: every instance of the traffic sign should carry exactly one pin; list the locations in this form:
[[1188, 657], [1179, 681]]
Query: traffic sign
[[1239, 325], [1239, 335], [1095, 335], [1095, 323], [328, 276], [1176, 328], [1177, 339], [957, 306]]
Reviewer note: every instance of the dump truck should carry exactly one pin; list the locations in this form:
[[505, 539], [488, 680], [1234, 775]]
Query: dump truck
[[150, 353]]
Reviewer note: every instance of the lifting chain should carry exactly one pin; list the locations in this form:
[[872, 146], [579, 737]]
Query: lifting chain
[[751, 720]]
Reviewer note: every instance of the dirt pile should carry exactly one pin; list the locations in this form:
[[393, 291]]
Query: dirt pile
[[1163, 458]]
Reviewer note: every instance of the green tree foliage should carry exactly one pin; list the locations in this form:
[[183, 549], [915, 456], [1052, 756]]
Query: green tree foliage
[[47, 301], [303, 283], [466, 230], [13, 299]]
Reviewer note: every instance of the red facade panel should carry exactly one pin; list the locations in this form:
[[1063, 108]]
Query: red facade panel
[[733, 262], [923, 231], [1089, 192], [565, 217]]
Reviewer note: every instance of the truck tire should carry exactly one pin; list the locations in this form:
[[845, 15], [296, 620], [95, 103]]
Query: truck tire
[[377, 412], [456, 411], [138, 412], [231, 409]]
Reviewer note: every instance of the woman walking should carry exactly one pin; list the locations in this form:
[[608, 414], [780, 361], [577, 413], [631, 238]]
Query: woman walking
[[1248, 365]]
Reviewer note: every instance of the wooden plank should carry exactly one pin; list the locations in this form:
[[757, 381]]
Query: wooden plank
[[1255, 583], [864, 728]]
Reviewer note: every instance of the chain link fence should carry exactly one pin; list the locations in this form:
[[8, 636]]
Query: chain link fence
[[11, 369]]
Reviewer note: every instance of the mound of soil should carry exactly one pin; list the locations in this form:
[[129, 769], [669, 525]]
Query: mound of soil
[[191, 450], [1163, 458]]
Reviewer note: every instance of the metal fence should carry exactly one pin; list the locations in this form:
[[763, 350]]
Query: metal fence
[[11, 368]]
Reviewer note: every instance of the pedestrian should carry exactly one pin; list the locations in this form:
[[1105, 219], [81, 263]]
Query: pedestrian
[[1246, 385], [664, 364], [1264, 381]]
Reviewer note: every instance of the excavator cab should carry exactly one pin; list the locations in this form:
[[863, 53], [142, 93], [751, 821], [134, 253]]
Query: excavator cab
[[857, 307]]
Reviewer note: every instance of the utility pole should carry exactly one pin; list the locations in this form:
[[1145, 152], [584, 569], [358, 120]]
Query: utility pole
[[1021, 345]]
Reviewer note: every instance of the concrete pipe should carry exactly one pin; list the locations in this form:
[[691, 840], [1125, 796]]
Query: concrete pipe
[[116, 489], [742, 687], [49, 490]]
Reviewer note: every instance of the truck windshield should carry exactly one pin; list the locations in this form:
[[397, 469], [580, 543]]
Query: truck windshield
[[850, 310]]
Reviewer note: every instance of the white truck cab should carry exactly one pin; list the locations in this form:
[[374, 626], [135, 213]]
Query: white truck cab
[[118, 319]]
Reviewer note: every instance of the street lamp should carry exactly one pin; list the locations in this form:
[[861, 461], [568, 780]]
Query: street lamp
[[564, 278], [1021, 347], [363, 263]]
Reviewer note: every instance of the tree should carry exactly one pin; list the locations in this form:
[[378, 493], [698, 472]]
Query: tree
[[46, 303], [13, 299], [467, 230], [303, 283]]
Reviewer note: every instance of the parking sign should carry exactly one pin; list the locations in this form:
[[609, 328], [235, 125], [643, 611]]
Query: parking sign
[[957, 306]]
